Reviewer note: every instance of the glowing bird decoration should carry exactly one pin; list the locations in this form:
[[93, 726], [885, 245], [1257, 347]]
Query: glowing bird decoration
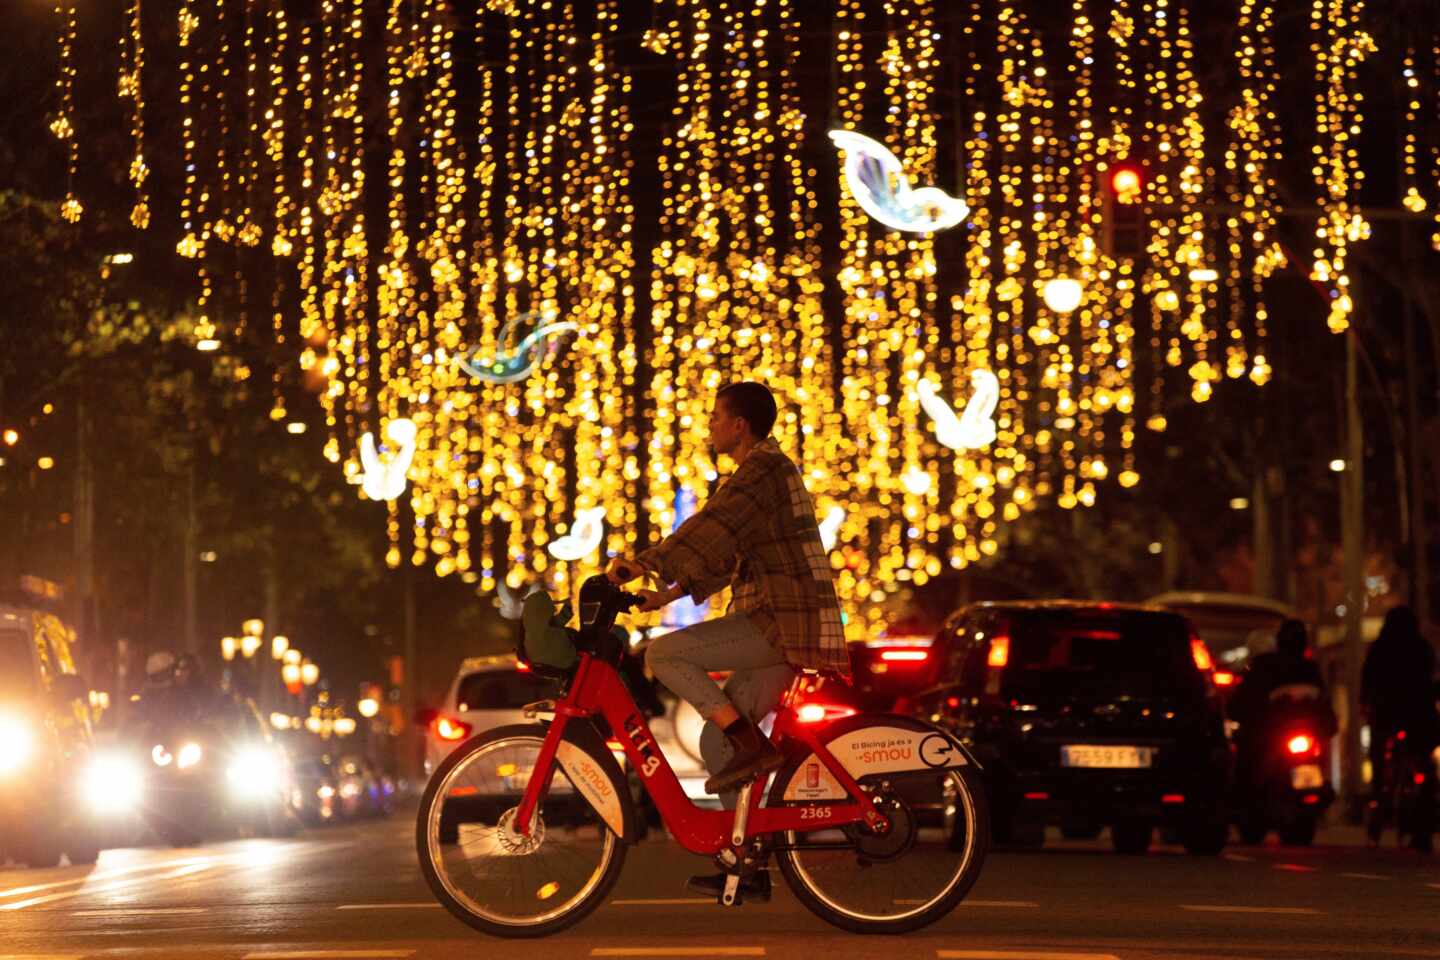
[[519, 362], [975, 427], [583, 538], [878, 183], [510, 602], [830, 527], [385, 479]]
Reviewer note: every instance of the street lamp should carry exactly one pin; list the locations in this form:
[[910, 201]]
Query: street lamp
[[291, 656], [310, 673], [279, 646], [228, 646], [368, 707], [290, 673]]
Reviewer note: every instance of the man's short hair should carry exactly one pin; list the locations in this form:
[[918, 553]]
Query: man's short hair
[[751, 402]]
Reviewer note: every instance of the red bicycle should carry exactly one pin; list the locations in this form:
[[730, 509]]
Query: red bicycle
[[879, 822]]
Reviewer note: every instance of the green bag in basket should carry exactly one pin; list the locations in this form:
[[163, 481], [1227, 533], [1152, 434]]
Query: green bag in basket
[[548, 643]]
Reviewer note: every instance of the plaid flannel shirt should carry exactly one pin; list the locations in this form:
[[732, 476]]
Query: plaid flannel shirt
[[758, 533]]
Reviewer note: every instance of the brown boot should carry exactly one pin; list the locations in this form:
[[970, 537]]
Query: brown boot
[[754, 755]]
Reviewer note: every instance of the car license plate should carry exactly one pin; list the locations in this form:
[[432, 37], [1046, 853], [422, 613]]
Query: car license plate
[[1108, 757], [1307, 777]]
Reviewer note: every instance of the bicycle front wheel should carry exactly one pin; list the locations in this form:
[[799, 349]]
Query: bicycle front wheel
[[490, 876], [906, 879]]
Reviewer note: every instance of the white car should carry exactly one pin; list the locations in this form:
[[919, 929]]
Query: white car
[[490, 692]]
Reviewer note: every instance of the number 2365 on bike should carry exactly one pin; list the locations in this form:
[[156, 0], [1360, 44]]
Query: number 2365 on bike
[[878, 823]]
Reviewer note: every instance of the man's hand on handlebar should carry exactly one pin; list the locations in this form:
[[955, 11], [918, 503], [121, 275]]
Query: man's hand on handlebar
[[652, 599], [624, 569]]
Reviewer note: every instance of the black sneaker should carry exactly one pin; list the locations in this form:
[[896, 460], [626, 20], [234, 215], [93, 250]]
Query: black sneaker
[[755, 887], [754, 755]]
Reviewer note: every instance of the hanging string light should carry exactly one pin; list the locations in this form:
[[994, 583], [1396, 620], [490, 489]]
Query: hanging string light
[[63, 123], [129, 86], [1339, 45]]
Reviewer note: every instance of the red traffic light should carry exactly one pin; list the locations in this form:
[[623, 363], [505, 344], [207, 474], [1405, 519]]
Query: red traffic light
[[1127, 183]]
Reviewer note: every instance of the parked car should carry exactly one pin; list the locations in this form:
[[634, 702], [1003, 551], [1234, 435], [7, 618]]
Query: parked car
[[45, 743], [318, 788], [364, 790], [1086, 715]]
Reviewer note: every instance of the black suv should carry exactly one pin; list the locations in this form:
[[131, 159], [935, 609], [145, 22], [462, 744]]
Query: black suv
[[1086, 715]]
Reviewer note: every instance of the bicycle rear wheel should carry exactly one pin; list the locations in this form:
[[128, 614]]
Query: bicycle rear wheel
[[488, 875], [906, 879]]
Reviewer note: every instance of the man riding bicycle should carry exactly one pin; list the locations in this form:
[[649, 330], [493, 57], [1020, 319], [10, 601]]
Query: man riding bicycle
[[758, 534]]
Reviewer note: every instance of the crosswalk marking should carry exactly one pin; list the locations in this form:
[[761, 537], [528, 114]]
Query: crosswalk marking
[[678, 952], [1365, 876], [1238, 858], [1225, 908], [1296, 868], [428, 905], [98, 876], [331, 955], [186, 871], [662, 902], [1019, 955], [140, 912]]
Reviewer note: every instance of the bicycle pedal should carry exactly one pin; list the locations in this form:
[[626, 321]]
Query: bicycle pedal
[[730, 896]]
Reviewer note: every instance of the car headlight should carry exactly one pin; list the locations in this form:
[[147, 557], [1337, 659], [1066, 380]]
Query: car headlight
[[160, 756], [254, 772], [188, 756], [113, 784], [17, 743]]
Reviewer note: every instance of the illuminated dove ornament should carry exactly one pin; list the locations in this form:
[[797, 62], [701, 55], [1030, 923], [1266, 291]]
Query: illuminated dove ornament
[[878, 183], [830, 527], [583, 538], [974, 427], [518, 363], [510, 602], [385, 480]]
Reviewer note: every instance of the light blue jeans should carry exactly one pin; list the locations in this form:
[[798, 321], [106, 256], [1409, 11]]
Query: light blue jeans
[[760, 676]]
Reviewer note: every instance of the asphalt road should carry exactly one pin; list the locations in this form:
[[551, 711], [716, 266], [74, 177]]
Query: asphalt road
[[354, 892]]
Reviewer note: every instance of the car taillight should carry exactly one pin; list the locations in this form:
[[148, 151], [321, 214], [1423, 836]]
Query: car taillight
[[1223, 678], [822, 712], [905, 656], [447, 729], [522, 666], [1198, 651], [1301, 744], [999, 651]]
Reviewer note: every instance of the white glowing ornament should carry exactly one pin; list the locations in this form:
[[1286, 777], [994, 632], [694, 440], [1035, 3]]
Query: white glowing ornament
[[385, 480], [916, 480], [512, 366], [510, 602], [583, 538], [877, 182], [830, 527], [1063, 294], [974, 427]]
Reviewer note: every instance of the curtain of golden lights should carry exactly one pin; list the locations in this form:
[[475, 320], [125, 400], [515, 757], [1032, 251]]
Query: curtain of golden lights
[[509, 236]]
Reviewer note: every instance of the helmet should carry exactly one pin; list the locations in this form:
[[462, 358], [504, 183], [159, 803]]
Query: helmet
[[160, 666]]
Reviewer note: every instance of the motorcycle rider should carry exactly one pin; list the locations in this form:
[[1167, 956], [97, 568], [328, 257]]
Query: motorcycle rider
[[1278, 690], [1397, 694]]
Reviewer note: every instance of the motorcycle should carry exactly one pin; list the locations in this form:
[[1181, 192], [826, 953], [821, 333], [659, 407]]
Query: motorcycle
[[1284, 784]]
